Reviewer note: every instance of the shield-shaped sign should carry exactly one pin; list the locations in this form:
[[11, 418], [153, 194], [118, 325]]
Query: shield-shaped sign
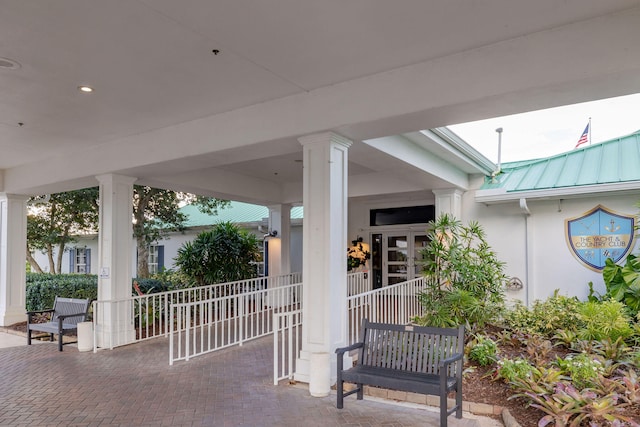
[[600, 234]]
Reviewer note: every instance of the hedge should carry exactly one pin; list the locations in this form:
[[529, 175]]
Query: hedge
[[42, 288]]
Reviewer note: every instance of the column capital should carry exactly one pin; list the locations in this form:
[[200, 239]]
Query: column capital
[[325, 137], [11, 196], [112, 177]]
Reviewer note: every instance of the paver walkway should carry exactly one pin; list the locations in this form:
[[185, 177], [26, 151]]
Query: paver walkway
[[135, 386]]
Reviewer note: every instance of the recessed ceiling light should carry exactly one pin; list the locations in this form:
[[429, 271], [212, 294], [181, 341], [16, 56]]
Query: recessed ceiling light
[[9, 64], [85, 89]]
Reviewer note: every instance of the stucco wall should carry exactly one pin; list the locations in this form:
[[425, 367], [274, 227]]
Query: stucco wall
[[552, 264]]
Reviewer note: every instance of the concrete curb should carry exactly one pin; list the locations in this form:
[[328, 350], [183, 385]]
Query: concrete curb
[[508, 419]]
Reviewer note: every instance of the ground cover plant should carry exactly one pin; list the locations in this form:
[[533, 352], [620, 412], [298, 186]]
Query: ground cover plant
[[563, 362]]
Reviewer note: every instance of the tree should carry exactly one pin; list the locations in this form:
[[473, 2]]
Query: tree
[[224, 254], [156, 212], [54, 220]]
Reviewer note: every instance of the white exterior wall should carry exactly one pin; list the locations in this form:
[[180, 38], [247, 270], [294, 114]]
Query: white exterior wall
[[171, 246], [552, 264]]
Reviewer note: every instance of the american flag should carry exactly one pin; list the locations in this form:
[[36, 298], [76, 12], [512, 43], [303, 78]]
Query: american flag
[[584, 137]]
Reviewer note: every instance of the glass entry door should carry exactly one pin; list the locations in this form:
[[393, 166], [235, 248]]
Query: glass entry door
[[396, 257]]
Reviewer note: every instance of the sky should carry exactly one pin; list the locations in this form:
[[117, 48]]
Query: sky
[[552, 131]]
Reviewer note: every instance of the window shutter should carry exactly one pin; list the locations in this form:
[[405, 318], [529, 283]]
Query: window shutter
[[87, 254], [72, 260], [160, 258]]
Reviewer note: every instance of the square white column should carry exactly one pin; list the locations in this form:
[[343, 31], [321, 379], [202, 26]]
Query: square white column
[[115, 321], [280, 250], [13, 251], [324, 257], [449, 201]]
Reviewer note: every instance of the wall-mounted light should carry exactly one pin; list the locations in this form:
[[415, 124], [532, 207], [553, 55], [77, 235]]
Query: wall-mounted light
[[271, 233]]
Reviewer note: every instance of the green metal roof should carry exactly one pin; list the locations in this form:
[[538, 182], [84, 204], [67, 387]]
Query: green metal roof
[[236, 212], [613, 161]]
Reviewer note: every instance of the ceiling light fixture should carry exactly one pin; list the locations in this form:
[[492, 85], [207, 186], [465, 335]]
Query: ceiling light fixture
[[85, 89]]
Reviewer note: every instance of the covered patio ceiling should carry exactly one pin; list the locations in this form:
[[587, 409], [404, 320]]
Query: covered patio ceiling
[[211, 96]]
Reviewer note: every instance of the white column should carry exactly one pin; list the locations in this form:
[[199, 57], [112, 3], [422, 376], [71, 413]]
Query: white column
[[449, 201], [13, 252], [114, 259], [324, 263], [280, 247]]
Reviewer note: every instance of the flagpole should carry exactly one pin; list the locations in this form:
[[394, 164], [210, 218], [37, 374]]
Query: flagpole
[[590, 138], [499, 130]]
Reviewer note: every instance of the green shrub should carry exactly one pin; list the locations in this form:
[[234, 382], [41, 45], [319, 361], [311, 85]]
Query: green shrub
[[465, 280], [583, 369], [511, 370], [623, 283], [483, 350], [546, 317], [602, 320], [42, 288], [224, 254]]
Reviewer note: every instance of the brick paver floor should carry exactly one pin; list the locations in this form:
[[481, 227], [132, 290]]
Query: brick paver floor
[[135, 386]]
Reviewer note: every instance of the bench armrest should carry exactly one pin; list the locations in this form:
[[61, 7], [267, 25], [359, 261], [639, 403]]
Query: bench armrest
[[341, 351], [449, 360]]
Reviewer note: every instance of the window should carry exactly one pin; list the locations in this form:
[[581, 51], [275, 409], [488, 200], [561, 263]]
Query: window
[[80, 260], [156, 258], [404, 215]]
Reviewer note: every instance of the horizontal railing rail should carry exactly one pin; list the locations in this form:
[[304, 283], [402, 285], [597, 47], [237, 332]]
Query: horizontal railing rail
[[397, 303], [205, 326], [141, 317]]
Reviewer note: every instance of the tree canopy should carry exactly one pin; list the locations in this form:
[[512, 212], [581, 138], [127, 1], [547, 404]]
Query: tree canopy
[[54, 220]]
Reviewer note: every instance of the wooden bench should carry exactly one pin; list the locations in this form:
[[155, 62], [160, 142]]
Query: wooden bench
[[65, 316], [415, 359]]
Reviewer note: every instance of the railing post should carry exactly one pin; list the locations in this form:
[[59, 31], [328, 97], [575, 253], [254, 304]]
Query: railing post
[[171, 337], [240, 299]]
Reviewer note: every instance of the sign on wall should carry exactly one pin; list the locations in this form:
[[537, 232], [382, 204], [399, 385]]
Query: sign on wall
[[600, 234]]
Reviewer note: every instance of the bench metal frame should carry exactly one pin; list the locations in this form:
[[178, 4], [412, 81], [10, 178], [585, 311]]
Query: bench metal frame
[[65, 316], [415, 359]]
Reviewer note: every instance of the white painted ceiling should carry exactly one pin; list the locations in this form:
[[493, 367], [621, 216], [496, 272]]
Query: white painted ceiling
[[170, 112]]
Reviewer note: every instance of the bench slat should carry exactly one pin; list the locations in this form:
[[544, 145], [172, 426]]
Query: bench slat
[[407, 358], [65, 316]]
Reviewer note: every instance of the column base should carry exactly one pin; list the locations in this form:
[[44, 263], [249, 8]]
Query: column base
[[306, 364], [9, 318]]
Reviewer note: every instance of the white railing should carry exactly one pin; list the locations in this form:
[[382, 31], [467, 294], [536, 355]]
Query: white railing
[[287, 342], [137, 318], [391, 304], [204, 326], [358, 283]]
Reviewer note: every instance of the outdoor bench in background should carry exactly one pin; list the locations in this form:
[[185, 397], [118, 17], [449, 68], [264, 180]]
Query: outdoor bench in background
[[415, 359], [64, 317]]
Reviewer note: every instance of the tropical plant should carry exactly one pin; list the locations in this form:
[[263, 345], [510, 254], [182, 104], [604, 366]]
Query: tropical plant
[[156, 212], [570, 407], [602, 320], [557, 312], [465, 280], [582, 368], [224, 254], [483, 350], [623, 283]]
